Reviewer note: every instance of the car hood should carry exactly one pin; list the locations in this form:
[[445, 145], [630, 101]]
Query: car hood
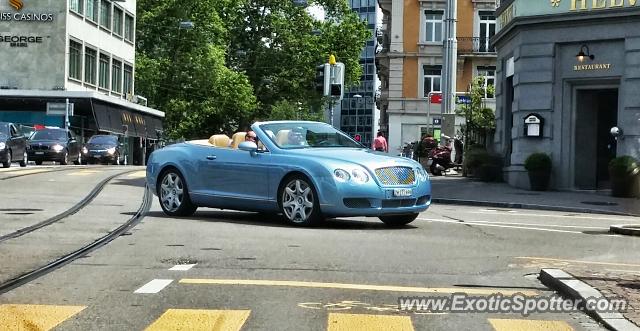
[[48, 142], [100, 146], [361, 156]]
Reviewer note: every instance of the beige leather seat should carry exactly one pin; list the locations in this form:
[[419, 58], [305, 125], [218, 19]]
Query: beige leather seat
[[237, 138], [283, 137], [219, 140]]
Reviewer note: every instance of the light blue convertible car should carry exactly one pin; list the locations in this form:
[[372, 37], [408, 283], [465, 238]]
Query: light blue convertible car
[[307, 171]]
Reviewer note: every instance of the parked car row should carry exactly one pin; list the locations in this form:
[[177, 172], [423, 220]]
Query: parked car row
[[56, 145]]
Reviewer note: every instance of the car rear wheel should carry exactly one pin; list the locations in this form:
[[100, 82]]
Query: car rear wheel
[[25, 159], [78, 161], [65, 158], [299, 202], [174, 196], [9, 158], [398, 220]]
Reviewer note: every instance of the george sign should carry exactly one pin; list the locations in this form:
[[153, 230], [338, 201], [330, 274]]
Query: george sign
[[58, 109], [20, 41], [595, 66]]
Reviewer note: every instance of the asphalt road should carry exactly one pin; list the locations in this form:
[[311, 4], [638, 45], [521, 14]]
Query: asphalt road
[[244, 271]]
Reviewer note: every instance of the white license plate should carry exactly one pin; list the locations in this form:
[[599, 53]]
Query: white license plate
[[402, 192], [39, 153]]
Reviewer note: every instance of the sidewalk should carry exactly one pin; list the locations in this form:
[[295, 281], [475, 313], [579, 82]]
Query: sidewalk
[[466, 191]]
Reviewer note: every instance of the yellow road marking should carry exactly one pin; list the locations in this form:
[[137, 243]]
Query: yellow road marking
[[138, 174], [35, 317], [26, 172], [443, 290], [577, 261], [362, 322], [529, 325], [84, 173], [197, 319]]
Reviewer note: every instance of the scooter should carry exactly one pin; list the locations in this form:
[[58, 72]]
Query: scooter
[[440, 159]]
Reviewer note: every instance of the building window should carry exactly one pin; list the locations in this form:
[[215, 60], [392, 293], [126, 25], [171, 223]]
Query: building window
[[116, 76], [76, 6], [92, 10], [433, 25], [105, 14], [75, 60], [118, 14], [103, 71], [128, 28], [432, 76], [90, 58], [128, 79], [489, 75], [487, 30]]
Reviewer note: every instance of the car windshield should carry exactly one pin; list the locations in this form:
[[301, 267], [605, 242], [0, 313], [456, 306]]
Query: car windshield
[[103, 140], [291, 135], [4, 128], [49, 135]]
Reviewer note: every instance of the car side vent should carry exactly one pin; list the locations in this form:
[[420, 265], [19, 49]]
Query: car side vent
[[357, 203], [398, 203], [423, 200]]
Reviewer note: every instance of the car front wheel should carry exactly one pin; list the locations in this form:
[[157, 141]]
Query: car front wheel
[[174, 196], [9, 158], [398, 220], [65, 158], [299, 202], [25, 159]]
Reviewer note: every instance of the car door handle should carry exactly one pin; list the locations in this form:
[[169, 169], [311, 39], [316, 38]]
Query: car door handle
[[211, 157]]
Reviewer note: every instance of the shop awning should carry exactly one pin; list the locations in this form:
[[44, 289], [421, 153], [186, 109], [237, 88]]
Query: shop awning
[[108, 118]]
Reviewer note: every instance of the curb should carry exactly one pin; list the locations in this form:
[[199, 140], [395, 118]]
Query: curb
[[529, 206], [628, 230], [570, 287]]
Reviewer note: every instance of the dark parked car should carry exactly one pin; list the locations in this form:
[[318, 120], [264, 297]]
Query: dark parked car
[[103, 149], [54, 144], [13, 145]]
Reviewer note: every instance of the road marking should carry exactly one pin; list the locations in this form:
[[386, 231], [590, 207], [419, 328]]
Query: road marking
[[363, 322], [366, 287], [198, 319], [84, 173], [529, 325], [557, 215], [154, 286], [138, 174], [182, 267], [499, 226], [547, 225], [577, 261], [624, 271], [35, 317]]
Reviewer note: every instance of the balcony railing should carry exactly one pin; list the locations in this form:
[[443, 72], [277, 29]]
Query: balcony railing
[[475, 45]]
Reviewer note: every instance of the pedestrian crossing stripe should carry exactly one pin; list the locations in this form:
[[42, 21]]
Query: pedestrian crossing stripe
[[138, 174], [35, 317], [529, 325], [200, 320], [358, 322]]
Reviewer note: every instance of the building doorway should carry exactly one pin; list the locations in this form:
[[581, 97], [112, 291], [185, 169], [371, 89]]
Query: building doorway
[[596, 114]]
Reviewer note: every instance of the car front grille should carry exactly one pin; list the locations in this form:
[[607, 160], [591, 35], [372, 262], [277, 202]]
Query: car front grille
[[398, 203], [396, 176], [39, 147], [356, 203]]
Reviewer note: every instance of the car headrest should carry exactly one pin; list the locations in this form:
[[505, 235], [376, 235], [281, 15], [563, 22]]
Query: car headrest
[[219, 140], [237, 138], [283, 137]]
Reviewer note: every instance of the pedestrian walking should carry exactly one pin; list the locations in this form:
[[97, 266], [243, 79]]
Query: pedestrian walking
[[380, 143]]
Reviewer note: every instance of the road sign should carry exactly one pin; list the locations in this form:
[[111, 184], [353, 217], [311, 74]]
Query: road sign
[[437, 121], [463, 99], [58, 109], [357, 137]]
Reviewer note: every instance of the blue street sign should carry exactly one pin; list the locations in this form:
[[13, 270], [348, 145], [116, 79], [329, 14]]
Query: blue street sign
[[463, 99]]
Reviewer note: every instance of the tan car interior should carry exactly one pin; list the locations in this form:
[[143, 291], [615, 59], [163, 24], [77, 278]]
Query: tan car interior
[[221, 140]]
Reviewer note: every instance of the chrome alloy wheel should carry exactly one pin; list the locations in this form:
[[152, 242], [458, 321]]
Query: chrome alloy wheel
[[171, 192], [297, 201]]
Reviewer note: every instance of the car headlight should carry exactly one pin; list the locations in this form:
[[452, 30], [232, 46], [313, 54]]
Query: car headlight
[[3, 145], [85, 150], [422, 174], [341, 175], [111, 150], [57, 148], [359, 176]]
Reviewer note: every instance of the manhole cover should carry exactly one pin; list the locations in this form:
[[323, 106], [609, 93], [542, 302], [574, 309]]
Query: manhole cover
[[599, 203]]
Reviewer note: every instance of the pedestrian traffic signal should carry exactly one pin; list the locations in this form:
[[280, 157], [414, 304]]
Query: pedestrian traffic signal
[[357, 137], [323, 79]]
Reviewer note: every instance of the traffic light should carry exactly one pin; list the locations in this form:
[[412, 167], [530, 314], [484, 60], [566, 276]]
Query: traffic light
[[337, 80], [323, 79]]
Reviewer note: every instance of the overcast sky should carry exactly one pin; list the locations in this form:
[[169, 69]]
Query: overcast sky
[[316, 11]]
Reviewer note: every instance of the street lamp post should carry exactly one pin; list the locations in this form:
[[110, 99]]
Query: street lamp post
[[357, 96]]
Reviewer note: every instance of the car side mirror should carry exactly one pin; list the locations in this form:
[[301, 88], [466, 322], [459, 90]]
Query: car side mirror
[[248, 146]]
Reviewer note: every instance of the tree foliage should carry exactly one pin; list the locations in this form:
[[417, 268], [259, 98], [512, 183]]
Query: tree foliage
[[479, 119], [243, 60]]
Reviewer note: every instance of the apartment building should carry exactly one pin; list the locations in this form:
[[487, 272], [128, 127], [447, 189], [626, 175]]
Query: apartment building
[[411, 59], [82, 51]]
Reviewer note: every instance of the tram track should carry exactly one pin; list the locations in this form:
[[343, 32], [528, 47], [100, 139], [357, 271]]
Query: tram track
[[26, 172]]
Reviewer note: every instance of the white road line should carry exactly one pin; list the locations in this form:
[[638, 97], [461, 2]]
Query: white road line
[[500, 226], [154, 286], [544, 225], [559, 216], [182, 267]]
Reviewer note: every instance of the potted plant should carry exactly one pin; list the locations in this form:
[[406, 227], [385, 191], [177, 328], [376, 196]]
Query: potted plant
[[539, 167], [624, 172]]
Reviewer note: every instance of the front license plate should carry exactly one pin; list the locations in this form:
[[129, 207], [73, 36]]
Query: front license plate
[[402, 192], [39, 153]]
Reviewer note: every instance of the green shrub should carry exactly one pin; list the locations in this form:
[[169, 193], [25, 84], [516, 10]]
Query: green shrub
[[490, 170], [538, 162], [475, 157], [624, 166]]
